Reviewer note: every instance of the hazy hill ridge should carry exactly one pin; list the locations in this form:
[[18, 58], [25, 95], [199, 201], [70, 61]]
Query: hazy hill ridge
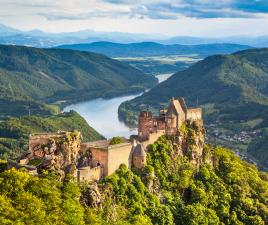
[[39, 38], [155, 49]]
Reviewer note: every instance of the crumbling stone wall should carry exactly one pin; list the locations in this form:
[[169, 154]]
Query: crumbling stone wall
[[194, 114], [100, 158], [153, 137], [43, 139], [58, 151], [88, 174], [145, 124]]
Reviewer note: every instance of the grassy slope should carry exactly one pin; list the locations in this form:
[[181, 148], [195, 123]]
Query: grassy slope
[[14, 132], [47, 75]]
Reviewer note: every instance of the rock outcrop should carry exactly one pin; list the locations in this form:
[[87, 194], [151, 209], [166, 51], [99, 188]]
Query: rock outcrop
[[58, 152], [191, 141], [91, 196]]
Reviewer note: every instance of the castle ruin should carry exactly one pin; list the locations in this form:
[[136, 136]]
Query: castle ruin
[[65, 152], [167, 122]]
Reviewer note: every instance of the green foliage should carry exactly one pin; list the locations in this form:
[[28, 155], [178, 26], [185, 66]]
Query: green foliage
[[232, 192], [31, 77], [15, 131], [116, 141], [166, 167], [226, 190], [35, 162], [3, 165], [259, 149], [130, 192]]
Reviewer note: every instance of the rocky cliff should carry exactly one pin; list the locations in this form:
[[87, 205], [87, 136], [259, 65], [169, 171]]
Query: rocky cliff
[[190, 142], [168, 152], [58, 152]]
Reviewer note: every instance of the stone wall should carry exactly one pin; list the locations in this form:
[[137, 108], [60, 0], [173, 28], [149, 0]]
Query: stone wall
[[100, 158], [117, 155], [176, 110], [89, 174], [93, 144], [145, 124], [194, 114], [153, 137], [109, 158], [43, 139]]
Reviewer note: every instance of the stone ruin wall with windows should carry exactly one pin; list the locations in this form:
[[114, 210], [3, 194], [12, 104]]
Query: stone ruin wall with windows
[[167, 122]]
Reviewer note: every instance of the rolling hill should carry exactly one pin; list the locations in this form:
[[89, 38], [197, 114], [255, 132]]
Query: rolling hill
[[232, 89], [32, 77], [154, 49]]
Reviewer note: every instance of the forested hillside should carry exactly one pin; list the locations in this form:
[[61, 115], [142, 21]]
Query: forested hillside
[[32, 77], [229, 191], [14, 132], [232, 90], [154, 49]]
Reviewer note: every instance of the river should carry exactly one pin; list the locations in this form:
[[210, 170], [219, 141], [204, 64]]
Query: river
[[102, 114]]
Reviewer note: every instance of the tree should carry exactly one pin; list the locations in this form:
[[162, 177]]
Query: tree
[[116, 141]]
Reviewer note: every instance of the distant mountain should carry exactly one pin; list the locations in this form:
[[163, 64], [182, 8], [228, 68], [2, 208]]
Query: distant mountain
[[261, 41], [38, 38], [8, 31], [187, 40], [48, 75], [154, 49], [232, 89]]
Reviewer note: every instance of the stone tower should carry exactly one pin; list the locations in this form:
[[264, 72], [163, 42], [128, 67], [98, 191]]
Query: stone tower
[[145, 125], [139, 156]]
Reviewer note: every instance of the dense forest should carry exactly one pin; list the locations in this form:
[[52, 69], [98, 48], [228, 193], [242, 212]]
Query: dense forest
[[224, 191], [14, 132], [31, 77]]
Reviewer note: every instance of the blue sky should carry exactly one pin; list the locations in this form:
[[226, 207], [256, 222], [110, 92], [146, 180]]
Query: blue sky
[[168, 17]]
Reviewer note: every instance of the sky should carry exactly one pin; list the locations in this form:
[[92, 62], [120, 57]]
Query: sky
[[203, 18]]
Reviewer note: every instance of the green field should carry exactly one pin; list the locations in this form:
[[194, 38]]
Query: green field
[[161, 64]]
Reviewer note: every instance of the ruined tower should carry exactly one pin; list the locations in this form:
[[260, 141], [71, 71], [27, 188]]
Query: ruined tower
[[145, 125], [139, 156]]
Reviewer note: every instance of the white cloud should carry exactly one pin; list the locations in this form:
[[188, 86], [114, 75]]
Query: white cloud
[[171, 17]]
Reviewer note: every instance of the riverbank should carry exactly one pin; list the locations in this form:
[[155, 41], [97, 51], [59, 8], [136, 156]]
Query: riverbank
[[102, 113]]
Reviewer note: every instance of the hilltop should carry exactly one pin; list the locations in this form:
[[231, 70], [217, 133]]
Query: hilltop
[[32, 76], [14, 132], [146, 49], [232, 89]]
